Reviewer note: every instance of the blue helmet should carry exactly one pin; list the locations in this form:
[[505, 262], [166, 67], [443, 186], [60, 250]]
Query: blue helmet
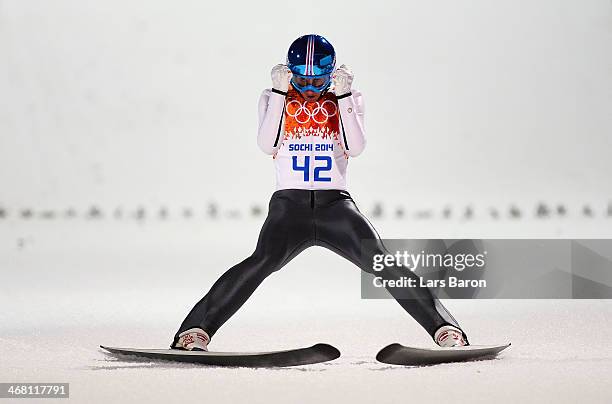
[[311, 59]]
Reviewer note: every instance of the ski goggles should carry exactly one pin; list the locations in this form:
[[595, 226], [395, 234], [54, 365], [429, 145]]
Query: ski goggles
[[311, 83]]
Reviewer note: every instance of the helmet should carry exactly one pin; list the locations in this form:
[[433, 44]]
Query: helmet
[[311, 59]]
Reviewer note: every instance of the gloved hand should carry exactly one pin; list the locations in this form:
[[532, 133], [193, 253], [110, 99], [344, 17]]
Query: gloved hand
[[343, 79], [281, 76]]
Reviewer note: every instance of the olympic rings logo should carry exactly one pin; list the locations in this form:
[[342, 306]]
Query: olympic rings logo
[[319, 114]]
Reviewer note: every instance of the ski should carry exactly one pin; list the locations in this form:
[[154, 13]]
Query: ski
[[397, 354], [294, 357]]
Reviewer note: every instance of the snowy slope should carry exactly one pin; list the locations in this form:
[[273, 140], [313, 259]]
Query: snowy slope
[[71, 287]]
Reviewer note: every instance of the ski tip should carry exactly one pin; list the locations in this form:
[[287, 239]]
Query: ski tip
[[328, 350], [387, 351]]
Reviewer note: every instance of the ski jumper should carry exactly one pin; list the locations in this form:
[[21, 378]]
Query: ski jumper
[[311, 143]]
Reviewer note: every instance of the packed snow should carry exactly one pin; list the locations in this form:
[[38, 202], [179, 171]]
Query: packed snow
[[69, 286]]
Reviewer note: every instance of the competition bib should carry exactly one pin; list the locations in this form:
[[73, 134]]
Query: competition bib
[[311, 155]]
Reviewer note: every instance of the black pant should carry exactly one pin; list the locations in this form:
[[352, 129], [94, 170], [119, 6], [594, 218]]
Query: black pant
[[298, 219]]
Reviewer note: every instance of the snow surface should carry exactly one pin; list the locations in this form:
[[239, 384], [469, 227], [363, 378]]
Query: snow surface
[[70, 286]]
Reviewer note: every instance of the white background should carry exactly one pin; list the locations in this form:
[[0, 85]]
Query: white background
[[153, 102]]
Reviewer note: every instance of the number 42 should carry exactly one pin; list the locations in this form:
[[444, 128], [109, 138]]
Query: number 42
[[317, 170]]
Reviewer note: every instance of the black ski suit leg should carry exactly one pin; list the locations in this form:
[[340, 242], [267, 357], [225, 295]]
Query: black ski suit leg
[[340, 227], [286, 232]]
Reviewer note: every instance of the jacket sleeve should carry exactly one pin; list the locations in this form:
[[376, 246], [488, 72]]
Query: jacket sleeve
[[352, 110], [271, 130]]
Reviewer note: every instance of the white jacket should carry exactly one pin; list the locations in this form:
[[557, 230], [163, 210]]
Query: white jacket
[[311, 162]]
